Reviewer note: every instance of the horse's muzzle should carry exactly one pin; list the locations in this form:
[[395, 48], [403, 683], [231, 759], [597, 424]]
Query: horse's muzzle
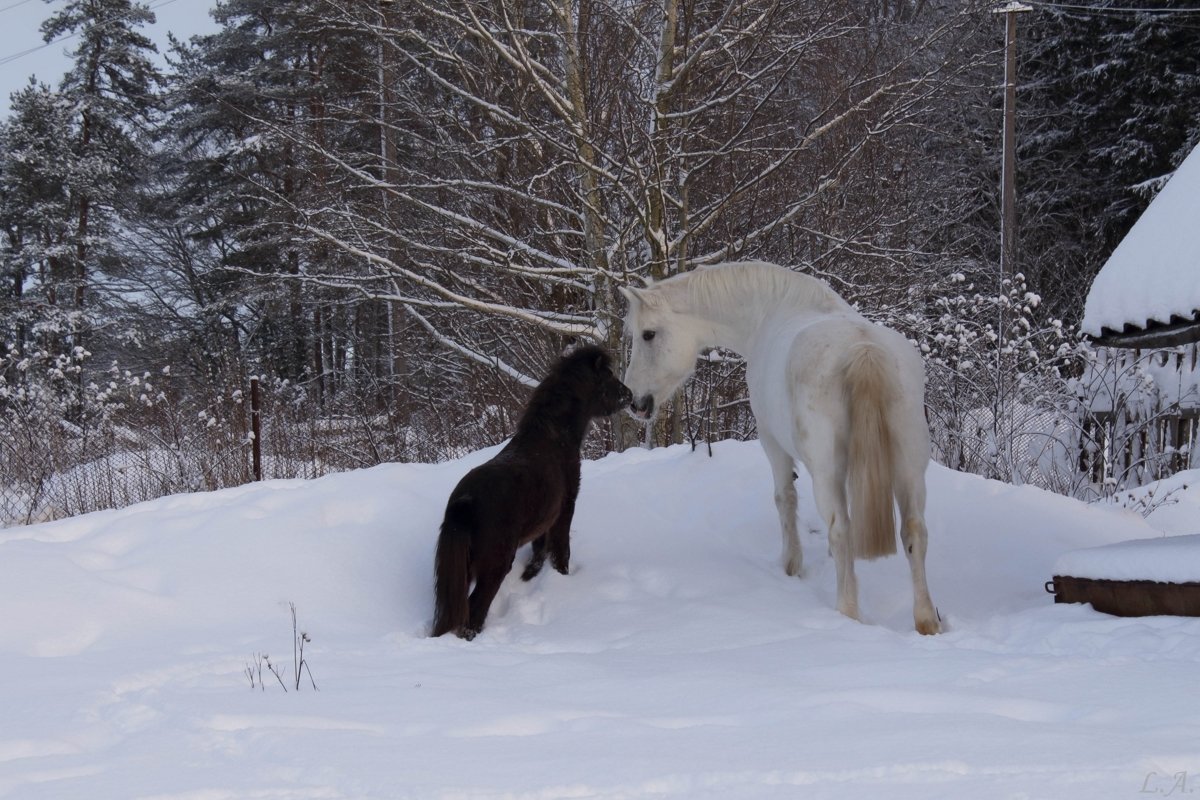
[[643, 408]]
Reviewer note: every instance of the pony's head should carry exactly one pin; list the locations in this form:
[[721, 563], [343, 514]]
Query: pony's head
[[586, 373], [608, 395], [665, 346]]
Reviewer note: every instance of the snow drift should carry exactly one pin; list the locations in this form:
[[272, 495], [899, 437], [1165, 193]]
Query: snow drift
[[676, 661]]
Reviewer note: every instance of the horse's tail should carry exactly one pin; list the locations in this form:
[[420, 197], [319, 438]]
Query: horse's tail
[[870, 394], [452, 567]]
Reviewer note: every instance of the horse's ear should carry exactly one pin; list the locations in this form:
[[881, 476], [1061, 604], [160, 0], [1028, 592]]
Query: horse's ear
[[632, 295]]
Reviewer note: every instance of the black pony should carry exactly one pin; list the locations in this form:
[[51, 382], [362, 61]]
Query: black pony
[[526, 493]]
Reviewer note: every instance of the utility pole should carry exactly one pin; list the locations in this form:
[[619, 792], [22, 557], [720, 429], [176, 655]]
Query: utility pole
[[1003, 422], [1008, 183]]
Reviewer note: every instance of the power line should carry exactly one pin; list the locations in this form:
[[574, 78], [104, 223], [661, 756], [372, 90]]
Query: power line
[[1113, 9], [14, 5], [14, 56]]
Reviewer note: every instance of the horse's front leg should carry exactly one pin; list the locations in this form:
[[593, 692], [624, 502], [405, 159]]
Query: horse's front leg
[[783, 471], [536, 560], [558, 538]]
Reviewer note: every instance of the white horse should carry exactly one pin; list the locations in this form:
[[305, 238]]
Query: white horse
[[827, 387]]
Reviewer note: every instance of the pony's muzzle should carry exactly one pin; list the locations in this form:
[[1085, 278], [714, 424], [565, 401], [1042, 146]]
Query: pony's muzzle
[[643, 407]]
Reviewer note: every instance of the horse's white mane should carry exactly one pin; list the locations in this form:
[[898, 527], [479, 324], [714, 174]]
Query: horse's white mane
[[720, 285]]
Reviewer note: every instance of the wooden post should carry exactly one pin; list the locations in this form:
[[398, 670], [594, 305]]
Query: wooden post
[[256, 427], [1008, 184], [1003, 424]]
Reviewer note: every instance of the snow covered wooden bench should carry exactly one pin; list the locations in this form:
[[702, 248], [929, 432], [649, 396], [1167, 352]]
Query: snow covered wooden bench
[[1133, 579]]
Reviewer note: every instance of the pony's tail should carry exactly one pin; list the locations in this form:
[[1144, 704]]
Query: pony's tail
[[452, 568], [870, 395]]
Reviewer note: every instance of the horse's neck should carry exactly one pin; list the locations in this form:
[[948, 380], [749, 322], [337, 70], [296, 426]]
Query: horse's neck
[[738, 316], [553, 423]]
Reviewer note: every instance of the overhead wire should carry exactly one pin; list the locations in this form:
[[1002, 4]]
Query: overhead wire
[[14, 5], [1110, 9], [8, 59]]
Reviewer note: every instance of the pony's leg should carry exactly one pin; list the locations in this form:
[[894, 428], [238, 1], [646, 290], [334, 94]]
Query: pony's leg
[[536, 560], [782, 471], [829, 491], [558, 538], [490, 575], [910, 494]]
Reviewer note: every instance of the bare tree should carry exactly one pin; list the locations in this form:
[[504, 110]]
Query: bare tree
[[532, 156]]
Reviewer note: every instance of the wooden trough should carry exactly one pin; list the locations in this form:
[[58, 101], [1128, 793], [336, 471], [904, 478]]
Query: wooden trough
[[1128, 598], [1133, 579]]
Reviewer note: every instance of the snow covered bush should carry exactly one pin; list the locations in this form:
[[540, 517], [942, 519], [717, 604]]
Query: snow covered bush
[[73, 441], [1013, 395], [994, 366]]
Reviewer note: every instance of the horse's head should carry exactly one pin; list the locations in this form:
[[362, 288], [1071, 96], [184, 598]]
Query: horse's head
[[611, 395], [665, 346]]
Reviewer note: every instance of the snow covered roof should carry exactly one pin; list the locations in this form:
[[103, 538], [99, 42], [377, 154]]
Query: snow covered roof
[[1148, 293]]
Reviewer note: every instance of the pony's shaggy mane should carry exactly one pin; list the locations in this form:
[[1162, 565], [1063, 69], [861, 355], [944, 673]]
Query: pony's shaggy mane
[[553, 407]]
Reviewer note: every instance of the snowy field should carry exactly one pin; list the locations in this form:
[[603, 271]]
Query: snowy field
[[677, 661]]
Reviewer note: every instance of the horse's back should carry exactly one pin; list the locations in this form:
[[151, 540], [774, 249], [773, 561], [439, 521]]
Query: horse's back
[[798, 390], [515, 495]]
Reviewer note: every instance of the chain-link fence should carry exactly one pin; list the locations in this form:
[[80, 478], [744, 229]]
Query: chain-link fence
[[67, 451], [1125, 419], [60, 458]]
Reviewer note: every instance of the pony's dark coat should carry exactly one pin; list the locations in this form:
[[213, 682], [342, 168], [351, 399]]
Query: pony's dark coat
[[526, 493]]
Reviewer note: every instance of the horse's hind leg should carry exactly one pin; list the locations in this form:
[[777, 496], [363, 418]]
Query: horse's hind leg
[[782, 471], [910, 494], [491, 573], [829, 491]]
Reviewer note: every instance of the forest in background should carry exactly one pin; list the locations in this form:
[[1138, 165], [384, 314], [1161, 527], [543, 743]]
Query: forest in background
[[397, 213]]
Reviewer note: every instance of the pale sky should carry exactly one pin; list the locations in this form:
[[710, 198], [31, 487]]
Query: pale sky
[[20, 21]]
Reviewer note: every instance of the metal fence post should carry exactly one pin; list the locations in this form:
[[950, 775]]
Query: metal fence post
[[256, 427]]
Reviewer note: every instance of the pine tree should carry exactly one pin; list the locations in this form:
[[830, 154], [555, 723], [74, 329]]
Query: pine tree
[[36, 183], [277, 73], [111, 88], [1109, 106]]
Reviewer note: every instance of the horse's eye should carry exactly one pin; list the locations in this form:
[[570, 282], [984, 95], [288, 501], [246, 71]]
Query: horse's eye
[[647, 335]]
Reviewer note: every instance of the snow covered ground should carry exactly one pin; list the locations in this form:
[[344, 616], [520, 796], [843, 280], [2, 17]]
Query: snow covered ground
[[677, 661]]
